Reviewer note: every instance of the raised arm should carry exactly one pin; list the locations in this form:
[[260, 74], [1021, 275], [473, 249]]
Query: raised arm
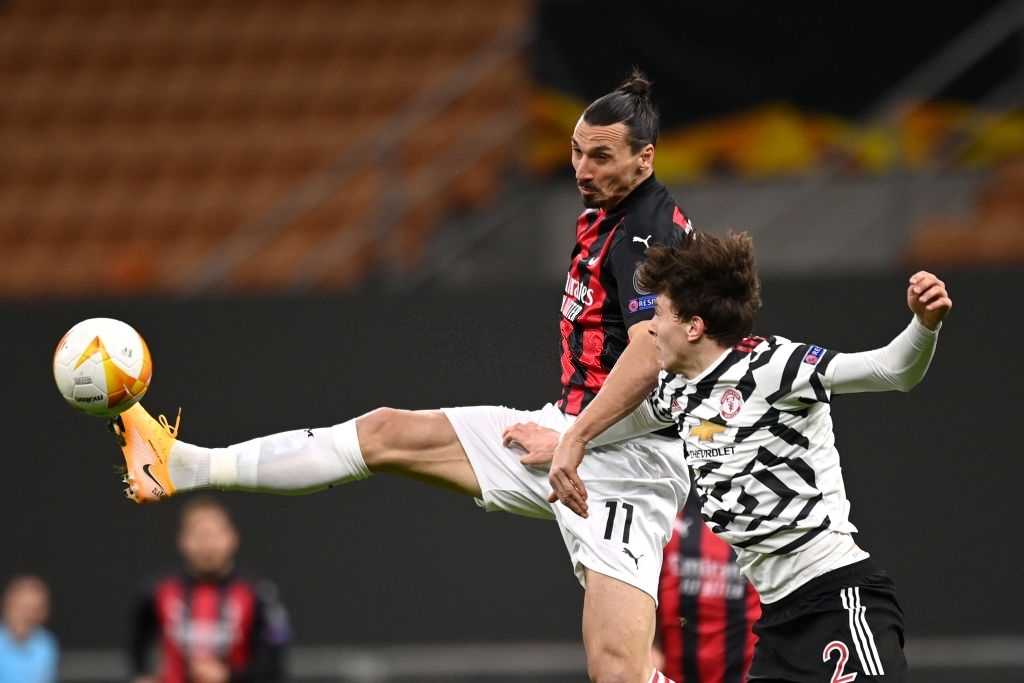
[[903, 362], [628, 384]]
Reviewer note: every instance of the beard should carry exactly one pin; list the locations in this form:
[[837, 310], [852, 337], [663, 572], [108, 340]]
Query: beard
[[591, 201]]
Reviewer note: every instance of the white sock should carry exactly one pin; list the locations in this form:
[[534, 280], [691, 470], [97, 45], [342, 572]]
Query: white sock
[[300, 461]]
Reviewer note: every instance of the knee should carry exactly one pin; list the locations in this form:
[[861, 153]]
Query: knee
[[376, 429]]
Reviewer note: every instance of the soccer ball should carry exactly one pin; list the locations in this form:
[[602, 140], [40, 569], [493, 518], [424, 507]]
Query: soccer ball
[[102, 366]]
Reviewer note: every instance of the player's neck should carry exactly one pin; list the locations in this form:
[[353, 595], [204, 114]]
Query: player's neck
[[705, 354]]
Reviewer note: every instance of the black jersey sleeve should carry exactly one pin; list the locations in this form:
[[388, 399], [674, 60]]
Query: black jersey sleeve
[[656, 220], [636, 304]]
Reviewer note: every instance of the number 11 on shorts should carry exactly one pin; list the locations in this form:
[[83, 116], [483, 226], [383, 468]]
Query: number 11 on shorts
[[609, 527]]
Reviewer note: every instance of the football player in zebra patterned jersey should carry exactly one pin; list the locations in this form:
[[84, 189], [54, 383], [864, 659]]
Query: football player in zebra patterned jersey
[[754, 415]]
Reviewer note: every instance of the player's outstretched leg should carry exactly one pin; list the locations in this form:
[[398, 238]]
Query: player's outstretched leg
[[146, 444], [158, 464], [422, 445]]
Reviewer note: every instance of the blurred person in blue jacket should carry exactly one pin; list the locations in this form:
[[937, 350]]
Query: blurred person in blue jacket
[[29, 652]]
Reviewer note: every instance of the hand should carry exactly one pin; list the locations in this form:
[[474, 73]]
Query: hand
[[538, 442], [928, 299], [566, 485], [208, 669]]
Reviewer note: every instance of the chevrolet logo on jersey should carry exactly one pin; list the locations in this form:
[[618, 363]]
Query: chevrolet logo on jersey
[[707, 430]]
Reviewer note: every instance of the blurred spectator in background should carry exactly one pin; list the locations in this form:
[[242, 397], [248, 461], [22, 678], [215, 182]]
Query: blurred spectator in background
[[28, 651], [706, 609], [208, 622]]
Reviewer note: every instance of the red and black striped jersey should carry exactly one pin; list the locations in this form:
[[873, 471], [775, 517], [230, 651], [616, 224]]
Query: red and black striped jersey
[[237, 620], [701, 584], [601, 298]]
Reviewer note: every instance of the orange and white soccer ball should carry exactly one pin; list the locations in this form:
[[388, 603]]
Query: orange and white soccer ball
[[102, 366]]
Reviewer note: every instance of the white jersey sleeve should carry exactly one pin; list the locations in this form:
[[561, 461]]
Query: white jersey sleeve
[[899, 365], [643, 420]]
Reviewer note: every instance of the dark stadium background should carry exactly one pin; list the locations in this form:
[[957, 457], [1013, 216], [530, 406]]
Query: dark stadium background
[[932, 475]]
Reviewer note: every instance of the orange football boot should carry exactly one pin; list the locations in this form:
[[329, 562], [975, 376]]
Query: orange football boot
[[146, 444]]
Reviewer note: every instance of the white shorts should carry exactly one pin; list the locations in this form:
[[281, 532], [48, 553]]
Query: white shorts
[[635, 489]]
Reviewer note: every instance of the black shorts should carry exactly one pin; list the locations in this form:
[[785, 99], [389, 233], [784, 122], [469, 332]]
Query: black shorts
[[845, 622]]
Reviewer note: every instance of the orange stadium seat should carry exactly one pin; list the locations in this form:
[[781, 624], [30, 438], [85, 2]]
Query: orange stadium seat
[[169, 129]]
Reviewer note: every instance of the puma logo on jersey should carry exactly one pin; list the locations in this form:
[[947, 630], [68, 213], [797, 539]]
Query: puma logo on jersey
[[633, 557], [646, 241]]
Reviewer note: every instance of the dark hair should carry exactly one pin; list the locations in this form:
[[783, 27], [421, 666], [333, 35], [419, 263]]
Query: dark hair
[[203, 501], [630, 104], [713, 278]]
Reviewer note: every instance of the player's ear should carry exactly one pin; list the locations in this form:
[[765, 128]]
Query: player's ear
[[695, 328], [646, 157]]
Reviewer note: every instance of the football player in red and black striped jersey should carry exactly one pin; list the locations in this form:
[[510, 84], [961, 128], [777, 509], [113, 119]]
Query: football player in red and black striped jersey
[[208, 622], [706, 608], [605, 347]]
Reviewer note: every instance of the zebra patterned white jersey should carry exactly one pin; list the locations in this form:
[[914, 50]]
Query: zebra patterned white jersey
[[758, 434], [757, 427]]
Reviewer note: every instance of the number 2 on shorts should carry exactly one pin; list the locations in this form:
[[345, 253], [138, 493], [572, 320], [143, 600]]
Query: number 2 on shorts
[[844, 656]]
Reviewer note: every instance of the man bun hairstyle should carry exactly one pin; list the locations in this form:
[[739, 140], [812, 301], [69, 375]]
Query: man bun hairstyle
[[631, 105]]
